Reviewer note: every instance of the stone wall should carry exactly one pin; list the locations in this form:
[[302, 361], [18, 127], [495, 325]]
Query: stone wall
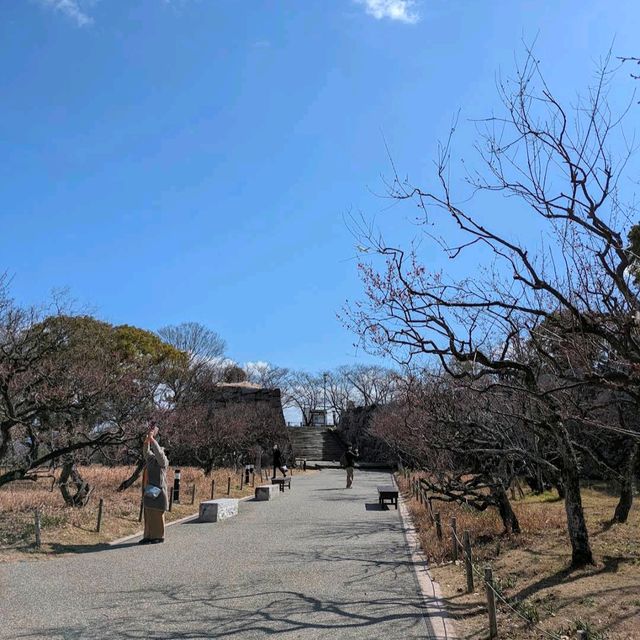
[[228, 394], [242, 393]]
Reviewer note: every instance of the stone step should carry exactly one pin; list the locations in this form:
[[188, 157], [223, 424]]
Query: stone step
[[316, 443]]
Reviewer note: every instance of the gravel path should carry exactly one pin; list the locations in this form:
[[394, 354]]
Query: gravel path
[[318, 562]]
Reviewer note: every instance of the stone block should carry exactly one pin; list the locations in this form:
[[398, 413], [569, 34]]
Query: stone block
[[220, 509], [267, 492]]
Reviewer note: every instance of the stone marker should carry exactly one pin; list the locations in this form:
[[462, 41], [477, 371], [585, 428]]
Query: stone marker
[[267, 492], [219, 509]]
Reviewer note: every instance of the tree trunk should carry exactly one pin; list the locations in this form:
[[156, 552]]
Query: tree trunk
[[133, 477], [508, 516], [70, 476], [626, 490], [535, 483], [560, 489], [576, 524]]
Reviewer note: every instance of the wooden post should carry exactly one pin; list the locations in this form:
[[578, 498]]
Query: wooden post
[[213, 488], [253, 478], [100, 508], [142, 507], [454, 539], [193, 494], [427, 503], [170, 501], [229, 485], [241, 480], [468, 561], [37, 524], [491, 603], [438, 525]]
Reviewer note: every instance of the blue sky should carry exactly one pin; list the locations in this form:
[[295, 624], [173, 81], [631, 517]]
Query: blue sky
[[174, 160]]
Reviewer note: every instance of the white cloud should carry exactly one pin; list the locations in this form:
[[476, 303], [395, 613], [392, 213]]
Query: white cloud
[[70, 8], [400, 10]]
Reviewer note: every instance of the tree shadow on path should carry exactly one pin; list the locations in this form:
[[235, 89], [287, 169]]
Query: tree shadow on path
[[185, 614]]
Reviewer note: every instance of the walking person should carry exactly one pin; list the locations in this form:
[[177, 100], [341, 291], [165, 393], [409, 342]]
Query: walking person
[[349, 459], [277, 462], [154, 487]]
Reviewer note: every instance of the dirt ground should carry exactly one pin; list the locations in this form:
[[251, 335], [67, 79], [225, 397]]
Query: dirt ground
[[72, 530], [532, 571]]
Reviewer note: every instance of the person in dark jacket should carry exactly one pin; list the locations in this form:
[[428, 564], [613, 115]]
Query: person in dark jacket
[[277, 462], [350, 457], [154, 487]]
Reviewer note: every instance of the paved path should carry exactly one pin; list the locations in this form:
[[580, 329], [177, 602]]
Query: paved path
[[319, 562]]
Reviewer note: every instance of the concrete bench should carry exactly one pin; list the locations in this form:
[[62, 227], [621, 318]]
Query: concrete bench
[[282, 482], [219, 509], [266, 492]]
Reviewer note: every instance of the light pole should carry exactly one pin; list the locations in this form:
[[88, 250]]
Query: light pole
[[324, 380]]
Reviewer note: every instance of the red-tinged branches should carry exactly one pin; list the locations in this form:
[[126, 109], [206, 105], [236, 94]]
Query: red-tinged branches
[[552, 327]]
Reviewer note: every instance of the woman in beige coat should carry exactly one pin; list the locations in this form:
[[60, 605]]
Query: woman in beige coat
[[154, 487]]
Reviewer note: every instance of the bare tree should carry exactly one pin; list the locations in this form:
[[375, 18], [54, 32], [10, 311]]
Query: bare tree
[[370, 385], [449, 429], [266, 375], [205, 351], [201, 344], [556, 164], [340, 391], [304, 391]]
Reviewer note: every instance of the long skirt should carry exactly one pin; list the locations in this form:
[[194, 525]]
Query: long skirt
[[153, 523]]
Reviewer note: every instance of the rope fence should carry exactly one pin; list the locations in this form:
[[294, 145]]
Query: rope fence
[[419, 493], [487, 579]]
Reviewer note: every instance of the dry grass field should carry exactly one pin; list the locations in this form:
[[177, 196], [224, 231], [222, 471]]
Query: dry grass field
[[72, 530], [531, 570]]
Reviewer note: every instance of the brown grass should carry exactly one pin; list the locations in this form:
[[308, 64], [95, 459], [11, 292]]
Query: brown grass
[[72, 530], [532, 569]]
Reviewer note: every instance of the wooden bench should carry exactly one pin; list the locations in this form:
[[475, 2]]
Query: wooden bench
[[388, 492], [283, 482]]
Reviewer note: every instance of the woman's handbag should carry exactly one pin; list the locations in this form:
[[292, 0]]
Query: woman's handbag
[[151, 491]]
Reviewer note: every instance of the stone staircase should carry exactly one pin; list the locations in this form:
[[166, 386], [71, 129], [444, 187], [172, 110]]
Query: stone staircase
[[316, 443]]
